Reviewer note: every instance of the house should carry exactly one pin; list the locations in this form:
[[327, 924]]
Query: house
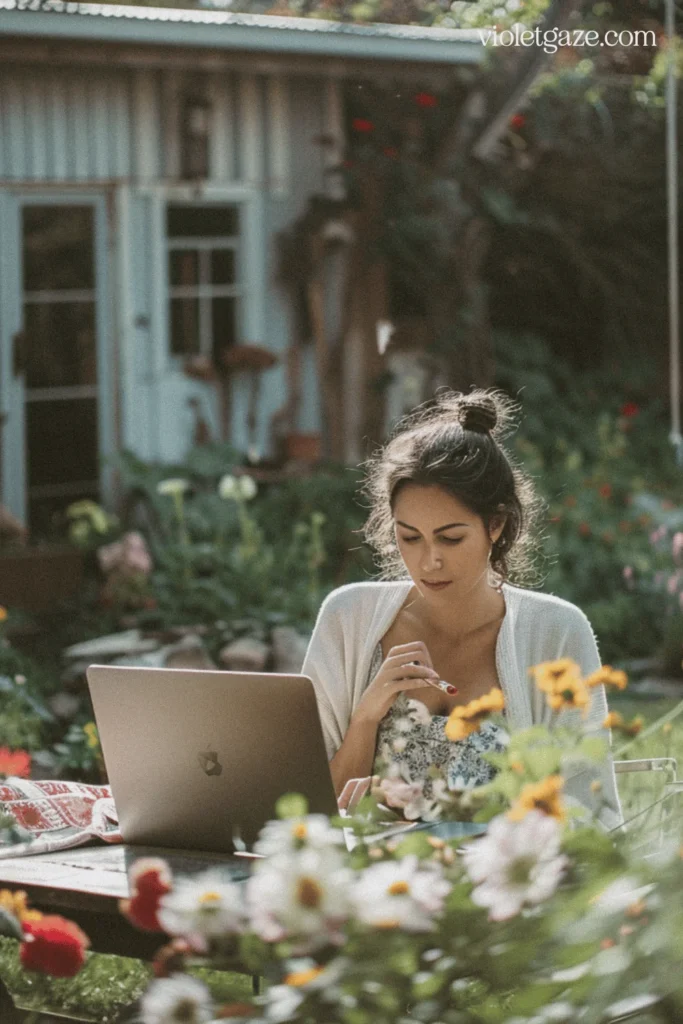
[[148, 160]]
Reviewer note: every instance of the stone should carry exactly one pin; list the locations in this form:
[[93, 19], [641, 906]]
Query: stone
[[189, 652], [289, 650], [64, 705], [113, 645], [245, 655]]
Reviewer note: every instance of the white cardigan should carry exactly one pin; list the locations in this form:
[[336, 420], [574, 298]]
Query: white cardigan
[[536, 628]]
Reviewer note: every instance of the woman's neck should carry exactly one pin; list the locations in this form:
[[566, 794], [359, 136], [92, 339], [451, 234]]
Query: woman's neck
[[479, 607]]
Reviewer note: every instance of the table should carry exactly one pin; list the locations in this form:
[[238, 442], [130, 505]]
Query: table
[[86, 884]]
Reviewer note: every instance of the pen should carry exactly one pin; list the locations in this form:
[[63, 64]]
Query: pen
[[442, 684]]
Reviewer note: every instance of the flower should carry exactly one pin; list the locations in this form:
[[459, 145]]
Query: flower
[[300, 978], [605, 490], [607, 676], [391, 152], [91, 511], [466, 719], [284, 837], [426, 100], [173, 487], [180, 999], [407, 797], [561, 681], [127, 556], [542, 796], [149, 880], [91, 735], [282, 1002], [303, 896], [616, 721], [15, 903], [517, 121], [629, 409], [515, 863], [362, 125], [201, 908], [15, 762], [237, 488], [3, 613], [52, 945], [400, 894]]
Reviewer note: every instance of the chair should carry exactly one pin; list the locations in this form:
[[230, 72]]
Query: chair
[[652, 824]]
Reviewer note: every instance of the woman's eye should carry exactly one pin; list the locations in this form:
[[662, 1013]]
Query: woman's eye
[[409, 540], [452, 540]]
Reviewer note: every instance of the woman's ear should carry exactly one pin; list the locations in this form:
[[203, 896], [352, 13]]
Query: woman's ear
[[496, 527]]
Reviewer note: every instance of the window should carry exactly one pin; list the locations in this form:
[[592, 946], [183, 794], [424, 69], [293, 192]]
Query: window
[[204, 279]]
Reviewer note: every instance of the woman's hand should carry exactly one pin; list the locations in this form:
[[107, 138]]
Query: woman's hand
[[406, 667]]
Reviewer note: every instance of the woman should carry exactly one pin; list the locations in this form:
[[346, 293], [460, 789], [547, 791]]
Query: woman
[[451, 519]]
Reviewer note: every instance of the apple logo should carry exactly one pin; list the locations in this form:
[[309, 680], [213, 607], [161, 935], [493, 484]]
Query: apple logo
[[209, 763]]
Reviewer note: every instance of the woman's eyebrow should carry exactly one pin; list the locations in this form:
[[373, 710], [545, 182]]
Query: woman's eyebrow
[[439, 529]]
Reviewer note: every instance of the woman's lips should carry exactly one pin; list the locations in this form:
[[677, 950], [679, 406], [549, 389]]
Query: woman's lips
[[439, 585]]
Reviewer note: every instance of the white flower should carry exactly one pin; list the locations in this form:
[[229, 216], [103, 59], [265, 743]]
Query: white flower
[[515, 863], [173, 486], [237, 488], [282, 1002], [631, 1005], [619, 895], [180, 999], [313, 830], [201, 908], [400, 894], [419, 712], [303, 896], [407, 797]]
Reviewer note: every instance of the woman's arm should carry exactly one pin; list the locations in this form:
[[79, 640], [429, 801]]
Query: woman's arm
[[355, 757]]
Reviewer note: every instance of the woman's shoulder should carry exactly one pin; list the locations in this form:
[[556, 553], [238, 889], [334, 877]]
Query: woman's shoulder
[[544, 608], [360, 597]]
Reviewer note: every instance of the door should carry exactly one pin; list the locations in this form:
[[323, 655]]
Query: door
[[56, 427]]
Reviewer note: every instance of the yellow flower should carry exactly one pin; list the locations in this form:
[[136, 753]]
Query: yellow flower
[[572, 694], [15, 903], [91, 735], [607, 676], [561, 681], [300, 978], [542, 796], [466, 718], [551, 676], [616, 721], [3, 613]]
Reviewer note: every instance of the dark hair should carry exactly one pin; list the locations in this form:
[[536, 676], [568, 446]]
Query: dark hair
[[453, 442]]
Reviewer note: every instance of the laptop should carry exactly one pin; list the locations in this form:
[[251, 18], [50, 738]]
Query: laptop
[[197, 759]]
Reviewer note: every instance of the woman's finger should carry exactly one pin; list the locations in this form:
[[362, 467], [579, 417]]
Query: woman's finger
[[416, 645], [410, 671]]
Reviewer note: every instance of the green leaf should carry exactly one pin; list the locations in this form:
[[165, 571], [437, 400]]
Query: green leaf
[[593, 748], [291, 805], [9, 925]]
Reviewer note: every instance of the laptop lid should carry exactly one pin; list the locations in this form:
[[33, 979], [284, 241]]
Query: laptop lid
[[197, 757]]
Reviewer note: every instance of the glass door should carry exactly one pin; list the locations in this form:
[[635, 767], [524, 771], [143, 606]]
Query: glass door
[[57, 355]]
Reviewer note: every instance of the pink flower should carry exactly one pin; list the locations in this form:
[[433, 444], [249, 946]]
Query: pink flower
[[677, 545], [404, 796]]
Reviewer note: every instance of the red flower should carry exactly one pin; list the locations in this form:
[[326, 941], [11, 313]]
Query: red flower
[[630, 409], [391, 152], [150, 879], [426, 100], [361, 124], [517, 121], [605, 490], [15, 762], [53, 946], [584, 529]]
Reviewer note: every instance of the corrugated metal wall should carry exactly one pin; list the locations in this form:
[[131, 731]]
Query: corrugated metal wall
[[98, 125]]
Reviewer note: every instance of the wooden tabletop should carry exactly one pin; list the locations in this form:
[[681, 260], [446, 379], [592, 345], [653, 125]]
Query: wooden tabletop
[[87, 883]]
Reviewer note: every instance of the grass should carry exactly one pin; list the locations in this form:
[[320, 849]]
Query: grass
[[109, 984], [103, 990]]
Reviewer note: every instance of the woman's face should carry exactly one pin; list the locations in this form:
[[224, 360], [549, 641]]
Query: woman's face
[[444, 545]]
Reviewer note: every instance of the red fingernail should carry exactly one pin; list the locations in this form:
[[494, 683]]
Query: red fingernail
[[451, 690]]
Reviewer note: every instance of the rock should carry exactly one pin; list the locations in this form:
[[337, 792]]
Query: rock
[[289, 649], [64, 705], [188, 653], [245, 655], [111, 646]]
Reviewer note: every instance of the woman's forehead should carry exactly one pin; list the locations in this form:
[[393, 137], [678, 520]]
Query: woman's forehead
[[417, 503]]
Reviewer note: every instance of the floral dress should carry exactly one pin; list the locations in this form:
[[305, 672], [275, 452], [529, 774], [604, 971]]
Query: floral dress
[[413, 739]]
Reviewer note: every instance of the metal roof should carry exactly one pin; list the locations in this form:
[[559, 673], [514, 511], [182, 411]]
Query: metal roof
[[172, 26]]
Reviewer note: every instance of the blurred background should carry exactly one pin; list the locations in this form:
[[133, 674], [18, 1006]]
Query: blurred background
[[239, 241]]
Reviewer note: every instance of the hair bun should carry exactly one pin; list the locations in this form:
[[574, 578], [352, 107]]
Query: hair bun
[[478, 414]]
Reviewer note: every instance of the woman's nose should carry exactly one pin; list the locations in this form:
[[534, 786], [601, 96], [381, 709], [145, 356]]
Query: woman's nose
[[430, 560]]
